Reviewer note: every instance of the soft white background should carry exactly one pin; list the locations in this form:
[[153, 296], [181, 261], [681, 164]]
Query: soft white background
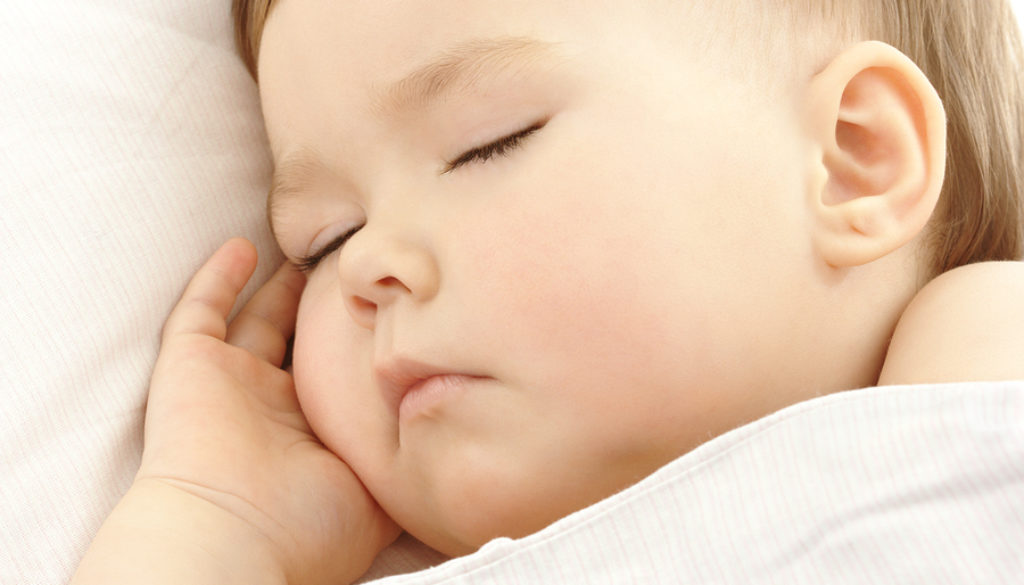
[[130, 148]]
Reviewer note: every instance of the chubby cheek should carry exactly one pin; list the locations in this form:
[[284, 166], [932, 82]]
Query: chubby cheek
[[567, 274], [594, 294], [332, 377]]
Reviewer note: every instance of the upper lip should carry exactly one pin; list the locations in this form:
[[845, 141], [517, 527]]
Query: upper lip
[[397, 375]]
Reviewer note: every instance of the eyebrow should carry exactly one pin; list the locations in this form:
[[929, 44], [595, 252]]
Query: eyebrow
[[459, 68]]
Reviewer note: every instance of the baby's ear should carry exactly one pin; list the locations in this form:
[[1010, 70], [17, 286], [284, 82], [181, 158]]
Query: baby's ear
[[881, 128]]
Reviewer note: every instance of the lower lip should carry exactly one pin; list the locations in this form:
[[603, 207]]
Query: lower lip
[[424, 397]]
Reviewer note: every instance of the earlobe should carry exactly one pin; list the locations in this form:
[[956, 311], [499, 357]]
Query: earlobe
[[881, 129]]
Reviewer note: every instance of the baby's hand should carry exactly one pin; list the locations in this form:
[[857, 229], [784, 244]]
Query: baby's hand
[[225, 440]]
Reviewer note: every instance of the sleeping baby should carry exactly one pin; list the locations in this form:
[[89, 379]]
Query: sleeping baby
[[540, 249]]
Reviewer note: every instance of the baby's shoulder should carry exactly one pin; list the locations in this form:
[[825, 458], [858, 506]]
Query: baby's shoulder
[[965, 325]]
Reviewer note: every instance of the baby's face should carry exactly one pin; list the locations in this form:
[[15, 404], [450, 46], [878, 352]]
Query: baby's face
[[571, 252]]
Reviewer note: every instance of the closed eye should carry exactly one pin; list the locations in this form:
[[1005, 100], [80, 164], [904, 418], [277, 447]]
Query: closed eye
[[308, 263], [500, 147]]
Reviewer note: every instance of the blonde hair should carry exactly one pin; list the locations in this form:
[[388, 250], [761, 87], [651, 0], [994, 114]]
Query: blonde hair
[[250, 16], [969, 49]]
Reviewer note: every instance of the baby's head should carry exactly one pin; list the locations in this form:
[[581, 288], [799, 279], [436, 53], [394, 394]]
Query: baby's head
[[552, 246]]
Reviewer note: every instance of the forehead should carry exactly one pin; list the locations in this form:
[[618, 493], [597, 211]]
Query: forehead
[[373, 42], [370, 60], [364, 49]]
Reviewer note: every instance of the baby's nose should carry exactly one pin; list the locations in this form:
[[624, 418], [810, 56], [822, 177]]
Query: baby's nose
[[377, 269]]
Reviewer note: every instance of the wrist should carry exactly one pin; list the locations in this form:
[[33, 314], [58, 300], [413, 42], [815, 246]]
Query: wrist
[[159, 533]]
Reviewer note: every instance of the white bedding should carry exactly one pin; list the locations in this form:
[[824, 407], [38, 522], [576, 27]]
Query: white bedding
[[130, 148]]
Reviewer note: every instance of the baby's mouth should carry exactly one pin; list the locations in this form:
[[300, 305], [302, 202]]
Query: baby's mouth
[[414, 388]]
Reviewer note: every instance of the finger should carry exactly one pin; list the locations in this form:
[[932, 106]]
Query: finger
[[267, 321], [210, 295]]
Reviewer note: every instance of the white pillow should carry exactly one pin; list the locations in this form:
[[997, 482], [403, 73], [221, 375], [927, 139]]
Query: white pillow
[[131, 146]]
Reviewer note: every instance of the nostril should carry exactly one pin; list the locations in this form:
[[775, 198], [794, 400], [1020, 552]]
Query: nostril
[[363, 306], [362, 311], [390, 282]]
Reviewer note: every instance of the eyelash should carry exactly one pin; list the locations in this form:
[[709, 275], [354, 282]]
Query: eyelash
[[501, 147], [308, 263]]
